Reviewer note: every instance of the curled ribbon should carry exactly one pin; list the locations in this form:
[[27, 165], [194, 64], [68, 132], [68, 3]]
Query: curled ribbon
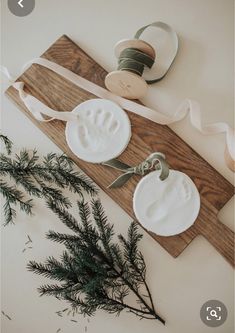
[[175, 44], [188, 106], [155, 161], [134, 60]]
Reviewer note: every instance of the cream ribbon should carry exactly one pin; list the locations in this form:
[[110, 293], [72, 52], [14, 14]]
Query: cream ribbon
[[188, 106]]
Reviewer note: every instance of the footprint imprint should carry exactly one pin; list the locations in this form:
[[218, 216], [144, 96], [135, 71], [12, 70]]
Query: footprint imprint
[[174, 194], [88, 113], [156, 211]]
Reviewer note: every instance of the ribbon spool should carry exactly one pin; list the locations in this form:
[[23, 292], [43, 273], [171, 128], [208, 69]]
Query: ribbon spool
[[134, 55]]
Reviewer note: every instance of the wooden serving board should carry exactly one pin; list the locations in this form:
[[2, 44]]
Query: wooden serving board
[[147, 137]]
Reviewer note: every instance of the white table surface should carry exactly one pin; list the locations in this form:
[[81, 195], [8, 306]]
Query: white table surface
[[204, 71]]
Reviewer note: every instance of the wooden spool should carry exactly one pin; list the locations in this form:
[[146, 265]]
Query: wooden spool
[[125, 83]]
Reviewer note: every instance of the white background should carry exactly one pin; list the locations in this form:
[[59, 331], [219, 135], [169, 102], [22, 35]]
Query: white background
[[204, 71]]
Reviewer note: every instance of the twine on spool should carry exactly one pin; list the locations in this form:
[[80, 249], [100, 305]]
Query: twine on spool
[[134, 55]]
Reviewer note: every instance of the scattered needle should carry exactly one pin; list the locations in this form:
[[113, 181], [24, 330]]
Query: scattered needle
[[27, 248], [59, 330], [59, 313], [75, 321], [5, 315], [29, 240]]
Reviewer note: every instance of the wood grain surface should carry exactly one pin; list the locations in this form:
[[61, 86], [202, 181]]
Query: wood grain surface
[[147, 137]]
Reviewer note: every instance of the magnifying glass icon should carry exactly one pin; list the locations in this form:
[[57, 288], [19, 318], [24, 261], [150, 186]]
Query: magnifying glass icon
[[213, 313]]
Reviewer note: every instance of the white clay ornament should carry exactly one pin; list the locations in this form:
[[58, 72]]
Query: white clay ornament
[[166, 207], [101, 132]]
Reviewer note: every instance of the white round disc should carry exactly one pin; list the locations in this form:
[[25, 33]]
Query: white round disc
[[102, 131], [166, 207], [136, 44], [126, 84]]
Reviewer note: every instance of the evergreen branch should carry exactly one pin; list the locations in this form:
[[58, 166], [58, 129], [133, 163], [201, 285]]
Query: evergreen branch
[[105, 230], [47, 180], [61, 238], [13, 197], [7, 142], [50, 193], [65, 217], [53, 269], [141, 315], [51, 290], [84, 213], [9, 212], [96, 273]]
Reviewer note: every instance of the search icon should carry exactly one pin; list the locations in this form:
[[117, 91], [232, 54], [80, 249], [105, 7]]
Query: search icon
[[213, 313]]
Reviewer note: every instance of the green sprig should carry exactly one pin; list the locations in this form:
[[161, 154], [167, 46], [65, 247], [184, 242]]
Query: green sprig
[[46, 179], [94, 272]]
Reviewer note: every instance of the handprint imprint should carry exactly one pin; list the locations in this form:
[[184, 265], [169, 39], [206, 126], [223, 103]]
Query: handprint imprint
[[96, 129], [174, 194], [101, 131]]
